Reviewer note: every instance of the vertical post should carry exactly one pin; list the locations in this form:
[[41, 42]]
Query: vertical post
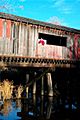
[[27, 88], [50, 88], [34, 85], [42, 85]]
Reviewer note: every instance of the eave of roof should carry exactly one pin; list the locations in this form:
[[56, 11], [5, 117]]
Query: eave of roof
[[36, 22]]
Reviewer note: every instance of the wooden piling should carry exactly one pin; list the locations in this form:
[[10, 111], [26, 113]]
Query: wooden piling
[[49, 81]]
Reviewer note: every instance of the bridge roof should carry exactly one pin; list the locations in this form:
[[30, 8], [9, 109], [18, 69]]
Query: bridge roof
[[36, 22]]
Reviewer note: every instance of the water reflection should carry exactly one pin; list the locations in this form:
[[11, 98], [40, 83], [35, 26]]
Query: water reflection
[[39, 108], [9, 109]]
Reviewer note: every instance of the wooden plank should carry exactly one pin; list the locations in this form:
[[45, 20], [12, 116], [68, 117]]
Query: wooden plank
[[20, 33], [8, 36], [22, 40], [30, 40], [8, 28], [1, 27], [25, 39], [35, 40], [4, 37]]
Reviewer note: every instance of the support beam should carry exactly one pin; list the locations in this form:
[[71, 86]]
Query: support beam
[[42, 85], [50, 88], [27, 88], [34, 85]]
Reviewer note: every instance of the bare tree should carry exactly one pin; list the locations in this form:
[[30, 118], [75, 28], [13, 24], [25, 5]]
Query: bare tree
[[4, 5], [55, 20], [10, 5]]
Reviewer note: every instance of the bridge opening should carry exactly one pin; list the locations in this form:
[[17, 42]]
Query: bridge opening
[[54, 40]]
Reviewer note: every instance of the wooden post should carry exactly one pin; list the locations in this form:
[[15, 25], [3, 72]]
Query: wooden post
[[27, 88], [34, 88], [50, 88], [42, 85], [34, 85]]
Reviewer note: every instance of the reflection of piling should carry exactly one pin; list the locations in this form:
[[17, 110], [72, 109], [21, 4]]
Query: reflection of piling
[[49, 107], [34, 104], [42, 105]]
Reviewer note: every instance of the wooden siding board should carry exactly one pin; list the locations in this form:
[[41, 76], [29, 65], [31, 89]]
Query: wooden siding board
[[36, 40], [33, 42], [22, 41], [4, 37], [1, 27], [8, 35], [8, 28], [29, 40], [20, 34], [25, 40], [1, 46]]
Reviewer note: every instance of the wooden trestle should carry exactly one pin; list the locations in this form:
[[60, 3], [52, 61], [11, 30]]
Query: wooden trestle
[[23, 61]]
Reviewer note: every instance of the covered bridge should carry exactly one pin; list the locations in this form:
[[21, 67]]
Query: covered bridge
[[39, 41]]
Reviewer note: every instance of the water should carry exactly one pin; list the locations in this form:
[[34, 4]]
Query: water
[[39, 108]]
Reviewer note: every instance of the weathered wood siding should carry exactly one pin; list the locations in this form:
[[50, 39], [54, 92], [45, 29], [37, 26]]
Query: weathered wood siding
[[19, 38]]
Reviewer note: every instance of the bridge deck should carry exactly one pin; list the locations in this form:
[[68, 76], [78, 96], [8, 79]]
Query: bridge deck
[[25, 61]]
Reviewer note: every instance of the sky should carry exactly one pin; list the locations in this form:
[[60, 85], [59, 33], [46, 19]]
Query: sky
[[65, 12]]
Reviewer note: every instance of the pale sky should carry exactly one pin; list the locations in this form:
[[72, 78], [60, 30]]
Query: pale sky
[[67, 12]]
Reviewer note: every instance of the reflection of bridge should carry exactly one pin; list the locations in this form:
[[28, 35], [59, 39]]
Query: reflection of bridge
[[43, 108], [39, 107]]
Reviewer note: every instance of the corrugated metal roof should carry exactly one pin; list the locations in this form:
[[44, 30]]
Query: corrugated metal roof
[[36, 22]]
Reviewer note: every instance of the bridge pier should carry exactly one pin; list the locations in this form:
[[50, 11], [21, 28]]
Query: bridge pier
[[49, 81]]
